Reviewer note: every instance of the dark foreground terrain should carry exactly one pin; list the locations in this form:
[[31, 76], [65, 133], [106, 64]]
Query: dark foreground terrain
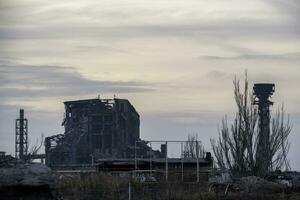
[[38, 182], [99, 186]]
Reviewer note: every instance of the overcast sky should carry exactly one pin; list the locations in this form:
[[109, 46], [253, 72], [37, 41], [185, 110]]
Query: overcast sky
[[174, 60]]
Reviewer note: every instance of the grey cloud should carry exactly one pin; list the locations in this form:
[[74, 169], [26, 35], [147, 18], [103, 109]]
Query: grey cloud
[[45, 81], [291, 7], [230, 28], [6, 108], [215, 74], [289, 56], [200, 117], [44, 20]]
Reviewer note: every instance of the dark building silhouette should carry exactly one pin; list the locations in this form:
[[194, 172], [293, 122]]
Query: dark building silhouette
[[96, 128]]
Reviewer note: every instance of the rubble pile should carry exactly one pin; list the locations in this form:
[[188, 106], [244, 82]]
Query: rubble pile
[[34, 174], [27, 181]]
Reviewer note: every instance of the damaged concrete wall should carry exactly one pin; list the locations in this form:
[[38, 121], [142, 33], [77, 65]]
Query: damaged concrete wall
[[95, 128]]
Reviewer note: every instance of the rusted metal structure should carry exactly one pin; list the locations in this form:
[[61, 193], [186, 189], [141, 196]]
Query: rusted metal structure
[[21, 139], [94, 129], [262, 94]]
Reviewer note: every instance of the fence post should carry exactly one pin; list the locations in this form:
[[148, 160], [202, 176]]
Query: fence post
[[135, 161], [182, 156], [197, 156], [166, 160], [151, 159], [129, 191]]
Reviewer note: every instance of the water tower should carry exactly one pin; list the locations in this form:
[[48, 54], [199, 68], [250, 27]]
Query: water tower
[[262, 94]]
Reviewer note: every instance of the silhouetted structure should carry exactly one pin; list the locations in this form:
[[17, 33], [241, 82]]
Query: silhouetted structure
[[96, 128], [171, 169], [262, 93], [21, 145]]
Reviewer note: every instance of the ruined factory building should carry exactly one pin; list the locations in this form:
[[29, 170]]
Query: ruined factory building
[[94, 129]]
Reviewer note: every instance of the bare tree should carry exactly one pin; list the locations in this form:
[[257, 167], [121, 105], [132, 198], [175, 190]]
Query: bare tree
[[193, 148], [237, 147], [34, 149]]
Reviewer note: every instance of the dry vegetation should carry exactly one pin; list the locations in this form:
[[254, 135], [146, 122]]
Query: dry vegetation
[[101, 186], [245, 149]]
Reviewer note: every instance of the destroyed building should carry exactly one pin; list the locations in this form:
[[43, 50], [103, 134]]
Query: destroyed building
[[96, 128]]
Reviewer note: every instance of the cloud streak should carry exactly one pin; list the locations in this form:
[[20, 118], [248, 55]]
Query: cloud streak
[[233, 28], [288, 57], [49, 81]]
